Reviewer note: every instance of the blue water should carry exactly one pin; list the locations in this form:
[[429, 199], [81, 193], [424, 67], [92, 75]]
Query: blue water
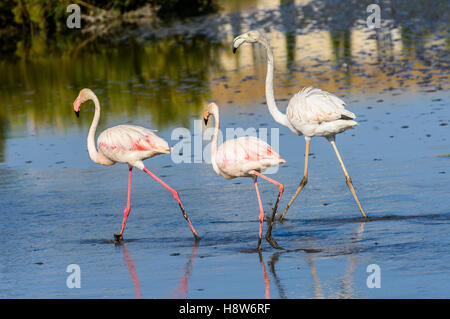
[[59, 208]]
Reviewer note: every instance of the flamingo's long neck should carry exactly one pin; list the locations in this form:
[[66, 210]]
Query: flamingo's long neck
[[271, 104], [93, 154], [214, 142]]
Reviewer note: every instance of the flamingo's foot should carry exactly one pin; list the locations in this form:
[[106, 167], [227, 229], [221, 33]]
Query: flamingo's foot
[[259, 245], [251, 250], [118, 238], [273, 242]]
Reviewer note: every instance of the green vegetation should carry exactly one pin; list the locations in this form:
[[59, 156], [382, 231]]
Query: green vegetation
[[167, 80], [22, 21]]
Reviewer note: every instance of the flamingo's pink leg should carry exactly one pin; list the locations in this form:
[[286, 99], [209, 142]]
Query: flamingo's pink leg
[[177, 198], [269, 237], [126, 212], [261, 213], [280, 187]]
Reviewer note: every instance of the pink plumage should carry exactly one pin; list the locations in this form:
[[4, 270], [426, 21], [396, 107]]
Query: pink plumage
[[245, 156], [242, 156], [128, 144], [311, 112], [131, 144]]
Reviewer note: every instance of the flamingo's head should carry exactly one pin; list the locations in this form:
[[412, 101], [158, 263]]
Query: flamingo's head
[[212, 109], [250, 37], [83, 96]]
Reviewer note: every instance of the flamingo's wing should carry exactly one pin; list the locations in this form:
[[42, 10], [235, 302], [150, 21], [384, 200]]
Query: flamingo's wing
[[256, 149], [132, 138], [314, 106], [245, 154]]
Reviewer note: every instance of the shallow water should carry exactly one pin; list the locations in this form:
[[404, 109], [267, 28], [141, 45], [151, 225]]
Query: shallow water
[[59, 208]]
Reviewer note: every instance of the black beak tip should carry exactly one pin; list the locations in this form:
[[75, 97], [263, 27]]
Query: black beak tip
[[234, 50], [77, 113]]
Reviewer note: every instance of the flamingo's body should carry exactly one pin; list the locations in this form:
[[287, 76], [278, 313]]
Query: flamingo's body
[[311, 112], [245, 156], [128, 144], [240, 157]]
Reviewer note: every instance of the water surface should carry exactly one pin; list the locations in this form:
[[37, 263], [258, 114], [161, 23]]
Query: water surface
[[59, 208]]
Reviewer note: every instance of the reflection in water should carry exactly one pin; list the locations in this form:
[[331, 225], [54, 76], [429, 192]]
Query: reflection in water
[[167, 80], [273, 260], [347, 283], [3, 129], [288, 18], [182, 289], [266, 277], [131, 270], [317, 288], [170, 78]]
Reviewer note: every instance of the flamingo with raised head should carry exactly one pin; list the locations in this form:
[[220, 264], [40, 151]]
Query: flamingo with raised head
[[245, 156], [128, 144], [310, 112]]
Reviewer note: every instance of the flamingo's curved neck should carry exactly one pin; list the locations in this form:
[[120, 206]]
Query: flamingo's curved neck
[[214, 142], [93, 154], [271, 104]]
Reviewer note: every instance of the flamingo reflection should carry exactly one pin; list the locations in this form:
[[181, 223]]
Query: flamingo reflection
[[131, 270], [266, 277], [348, 286], [273, 260], [347, 279], [182, 289]]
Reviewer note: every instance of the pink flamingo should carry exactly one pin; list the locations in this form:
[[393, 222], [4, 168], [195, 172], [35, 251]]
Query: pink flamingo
[[311, 112], [125, 144], [244, 157]]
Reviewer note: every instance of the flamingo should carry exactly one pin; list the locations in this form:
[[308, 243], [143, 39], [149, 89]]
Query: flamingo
[[128, 144], [311, 112], [245, 156]]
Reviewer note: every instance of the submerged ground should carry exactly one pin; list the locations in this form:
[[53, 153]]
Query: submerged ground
[[58, 208]]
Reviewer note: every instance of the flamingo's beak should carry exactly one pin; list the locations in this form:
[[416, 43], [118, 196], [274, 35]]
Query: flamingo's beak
[[205, 117], [237, 42], [77, 106], [235, 47]]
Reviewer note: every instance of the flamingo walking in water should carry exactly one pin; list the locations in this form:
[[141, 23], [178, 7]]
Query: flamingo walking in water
[[310, 112], [128, 144], [245, 156]]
